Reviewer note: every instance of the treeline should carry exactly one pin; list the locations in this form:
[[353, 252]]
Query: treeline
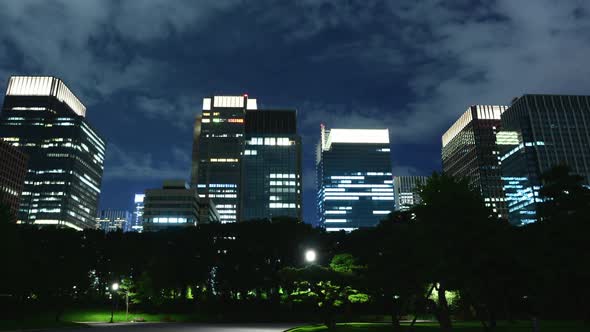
[[449, 257]]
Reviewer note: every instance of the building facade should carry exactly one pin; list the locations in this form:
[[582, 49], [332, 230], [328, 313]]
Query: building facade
[[271, 166], [176, 204], [208, 212], [469, 151], [13, 169], [538, 133], [355, 184], [113, 220], [45, 120], [136, 224], [217, 152], [406, 191]]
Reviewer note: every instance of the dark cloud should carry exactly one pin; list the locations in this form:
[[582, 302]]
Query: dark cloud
[[126, 165]]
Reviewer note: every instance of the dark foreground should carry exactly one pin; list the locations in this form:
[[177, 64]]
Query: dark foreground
[[185, 327]]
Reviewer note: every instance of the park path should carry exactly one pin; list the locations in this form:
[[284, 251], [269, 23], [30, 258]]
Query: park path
[[186, 327]]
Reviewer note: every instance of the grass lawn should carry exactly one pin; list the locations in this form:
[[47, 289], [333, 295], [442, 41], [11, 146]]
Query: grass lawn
[[520, 326], [105, 316]]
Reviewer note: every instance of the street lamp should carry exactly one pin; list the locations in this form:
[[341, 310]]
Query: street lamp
[[310, 256], [114, 288]]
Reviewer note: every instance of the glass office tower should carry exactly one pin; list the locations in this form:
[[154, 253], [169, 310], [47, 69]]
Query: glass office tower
[[45, 120], [355, 185], [217, 152], [469, 150], [406, 191], [13, 169], [538, 133], [271, 166], [136, 224]]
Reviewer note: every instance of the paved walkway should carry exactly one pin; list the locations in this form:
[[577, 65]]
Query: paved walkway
[[184, 327]]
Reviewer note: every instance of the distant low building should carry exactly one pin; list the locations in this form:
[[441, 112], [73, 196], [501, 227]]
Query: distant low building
[[176, 204], [406, 191], [13, 169], [113, 220]]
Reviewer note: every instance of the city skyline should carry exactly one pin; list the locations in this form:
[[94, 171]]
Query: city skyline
[[143, 79]]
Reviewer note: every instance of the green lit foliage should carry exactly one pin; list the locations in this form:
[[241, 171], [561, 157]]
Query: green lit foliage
[[345, 263], [452, 297], [325, 288], [128, 288]]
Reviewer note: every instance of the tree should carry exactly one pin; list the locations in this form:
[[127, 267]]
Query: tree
[[325, 288], [563, 195], [451, 223]]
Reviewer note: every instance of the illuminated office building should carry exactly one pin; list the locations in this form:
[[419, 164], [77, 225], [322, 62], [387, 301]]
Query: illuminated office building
[[469, 150], [176, 204], [13, 168], [136, 224], [355, 185], [113, 220], [45, 120], [406, 191], [208, 211], [217, 152], [538, 133], [271, 166]]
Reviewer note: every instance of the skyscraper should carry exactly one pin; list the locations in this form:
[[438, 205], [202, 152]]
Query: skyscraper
[[538, 133], [355, 185], [217, 152], [469, 150], [406, 191], [44, 119], [136, 224], [271, 166], [13, 168]]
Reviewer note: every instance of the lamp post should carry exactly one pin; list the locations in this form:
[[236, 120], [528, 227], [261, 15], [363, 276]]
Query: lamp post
[[310, 256], [114, 288]]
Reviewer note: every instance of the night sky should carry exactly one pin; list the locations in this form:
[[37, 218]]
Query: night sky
[[142, 68]]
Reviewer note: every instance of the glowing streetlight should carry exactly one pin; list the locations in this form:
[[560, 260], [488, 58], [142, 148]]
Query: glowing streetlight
[[310, 256], [114, 288]]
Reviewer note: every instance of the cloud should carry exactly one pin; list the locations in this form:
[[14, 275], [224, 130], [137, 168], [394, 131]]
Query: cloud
[[96, 46], [180, 112], [492, 54], [122, 164], [451, 55]]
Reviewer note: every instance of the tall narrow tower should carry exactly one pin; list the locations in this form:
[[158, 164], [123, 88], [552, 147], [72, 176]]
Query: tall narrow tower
[[271, 166], [217, 152], [469, 150]]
